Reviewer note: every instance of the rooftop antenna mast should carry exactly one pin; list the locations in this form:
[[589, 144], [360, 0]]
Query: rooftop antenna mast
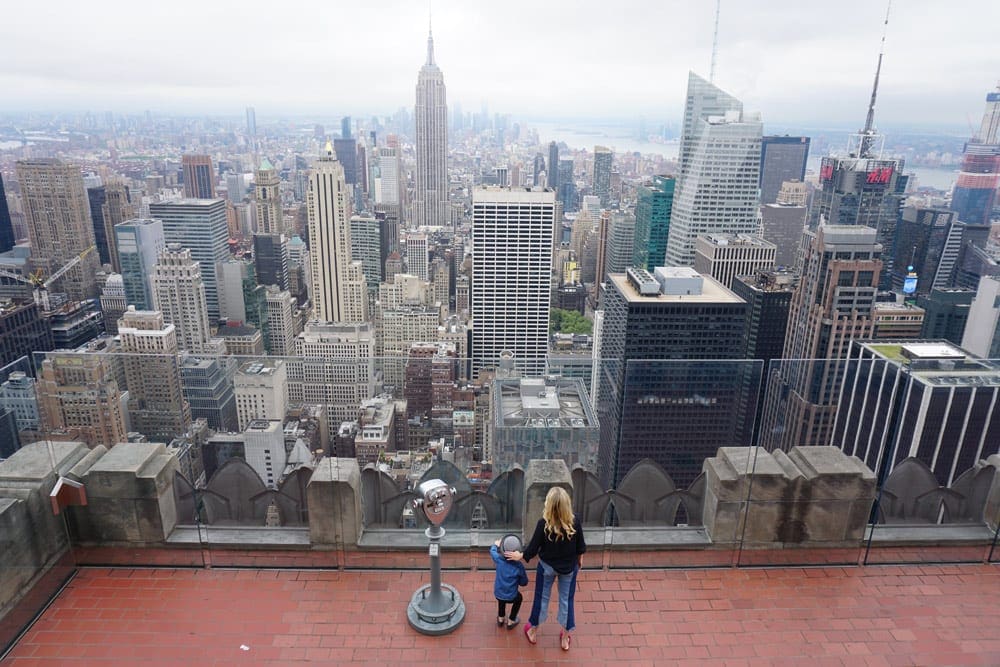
[[715, 41], [868, 135]]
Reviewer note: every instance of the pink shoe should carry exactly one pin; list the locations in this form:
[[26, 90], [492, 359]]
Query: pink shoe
[[569, 640], [527, 626]]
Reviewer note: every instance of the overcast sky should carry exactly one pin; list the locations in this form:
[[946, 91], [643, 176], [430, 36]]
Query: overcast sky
[[798, 62]]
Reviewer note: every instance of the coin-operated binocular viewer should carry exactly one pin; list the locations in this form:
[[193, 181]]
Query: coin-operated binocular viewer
[[436, 608]]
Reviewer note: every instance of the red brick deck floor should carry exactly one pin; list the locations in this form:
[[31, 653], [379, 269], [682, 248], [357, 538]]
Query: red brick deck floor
[[891, 615]]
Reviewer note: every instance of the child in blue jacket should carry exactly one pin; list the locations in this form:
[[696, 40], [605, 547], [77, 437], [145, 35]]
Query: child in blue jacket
[[510, 574]]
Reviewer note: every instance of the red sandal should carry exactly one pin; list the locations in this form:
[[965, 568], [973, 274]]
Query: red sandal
[[527, 626], [569, 640]]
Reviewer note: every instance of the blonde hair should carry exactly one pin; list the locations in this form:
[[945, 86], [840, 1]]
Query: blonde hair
[[558, 514]]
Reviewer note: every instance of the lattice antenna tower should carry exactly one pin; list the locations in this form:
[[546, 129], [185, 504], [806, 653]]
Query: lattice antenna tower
[[869, 136], [715, 41]]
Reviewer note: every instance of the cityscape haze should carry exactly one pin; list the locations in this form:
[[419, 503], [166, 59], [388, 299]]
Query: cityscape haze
[[729, 275]]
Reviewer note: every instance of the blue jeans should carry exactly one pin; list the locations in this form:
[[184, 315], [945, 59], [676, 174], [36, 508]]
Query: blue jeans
[[544, 576]]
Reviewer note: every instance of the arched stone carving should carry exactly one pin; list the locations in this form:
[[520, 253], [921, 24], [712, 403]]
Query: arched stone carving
[[186, 499], [911, 494], [646, 496], [590, 500], [291, 497], [381, 499], [973, 487], [235, 495], [508, 492]]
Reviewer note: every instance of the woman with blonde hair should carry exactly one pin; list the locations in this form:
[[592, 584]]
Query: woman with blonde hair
[[558, 543]]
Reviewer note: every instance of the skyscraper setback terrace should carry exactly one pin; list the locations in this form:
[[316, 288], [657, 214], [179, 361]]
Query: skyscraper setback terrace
[[889, 564]]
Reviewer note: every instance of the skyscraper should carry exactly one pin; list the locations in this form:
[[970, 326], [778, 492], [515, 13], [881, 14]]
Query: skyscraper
[[334, 366], [138, 243], [703, 101], [199, 176], [109, 205], [417, 255], [781, 159], [782, 222], [552, 173], [863, 189], [655, 201], [347, 154], [717, 189], [982, 330], [200, 226], [270, 257], [923, 399], [431, 117], [59, 225], [975, 191], [385, 179], [267, 197], [156, 403], [7, 239], [725, 256], [567, 185], [833, 304], [339, 293], [929, 240], [651, 404], [946, 312], [251, 122], [179, 293], [79, 399], [511, 265], [281, 321], [619, 246], [366, 235], [603, 159]]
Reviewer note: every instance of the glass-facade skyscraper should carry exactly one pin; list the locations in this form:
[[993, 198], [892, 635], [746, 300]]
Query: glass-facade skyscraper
[[717, 189], [654, 203], [200, 226], [6, 225], [138, 243]]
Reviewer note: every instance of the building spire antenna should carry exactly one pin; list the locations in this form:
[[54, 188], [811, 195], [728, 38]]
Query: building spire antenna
[[430, 36], [715, 41], [868, 134]]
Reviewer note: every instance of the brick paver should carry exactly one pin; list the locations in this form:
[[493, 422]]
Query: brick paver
[[891, 615]]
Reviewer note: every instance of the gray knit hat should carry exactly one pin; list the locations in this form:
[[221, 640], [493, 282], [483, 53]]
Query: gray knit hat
[[510, 542]]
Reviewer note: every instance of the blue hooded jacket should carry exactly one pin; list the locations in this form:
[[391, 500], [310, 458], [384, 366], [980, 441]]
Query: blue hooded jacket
[[510, 575]]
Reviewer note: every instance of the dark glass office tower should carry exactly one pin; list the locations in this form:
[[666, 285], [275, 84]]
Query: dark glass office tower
[[659, 394], [927, 400], [652, 222], [553, 171], [6, 225], [929, 240]]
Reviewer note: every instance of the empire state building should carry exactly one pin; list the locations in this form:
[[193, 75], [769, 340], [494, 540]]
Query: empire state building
[[431, 115]]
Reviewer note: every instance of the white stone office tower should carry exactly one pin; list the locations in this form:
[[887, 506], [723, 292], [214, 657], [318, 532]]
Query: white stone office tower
[[267, 196], [511, 265], [281, 330], [57, 213], [431, 116], [179, 293], [417, 255], [156, 403], [717, 188], [338, 284]]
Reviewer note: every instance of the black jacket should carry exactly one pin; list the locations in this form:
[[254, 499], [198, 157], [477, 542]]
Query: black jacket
[[560, 554]]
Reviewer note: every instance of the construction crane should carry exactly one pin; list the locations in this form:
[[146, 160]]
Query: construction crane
[[40, 284]]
